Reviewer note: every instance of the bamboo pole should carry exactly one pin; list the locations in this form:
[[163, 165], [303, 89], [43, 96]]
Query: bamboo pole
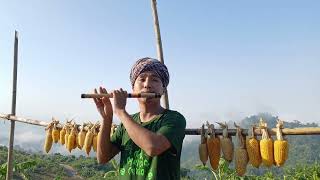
[[165, 98], [24, 120], [231, 132], [13, 108]]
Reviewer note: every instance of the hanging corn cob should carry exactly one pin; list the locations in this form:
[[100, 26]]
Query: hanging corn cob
[[241, 156], [88, 141], [76, 131], [280, 146], [66, 136], [213, 145], [77, 139], [71, 144], [226, 143], [62, 134], [82, 136], [95, 137], [253, 149], [266, 145], [203, 151], [48, 140], [55, 131], [68, 130]]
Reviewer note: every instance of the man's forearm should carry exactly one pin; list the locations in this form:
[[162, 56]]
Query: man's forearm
[[104, 145], [144, 138]]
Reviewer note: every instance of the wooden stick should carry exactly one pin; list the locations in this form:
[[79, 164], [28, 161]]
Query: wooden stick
[[159, 44], [13, 108], [232, 132], [24, 120], [130, 95]]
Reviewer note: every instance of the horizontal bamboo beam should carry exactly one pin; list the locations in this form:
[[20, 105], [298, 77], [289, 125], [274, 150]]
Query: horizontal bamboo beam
[[24, 120], [231, 132]]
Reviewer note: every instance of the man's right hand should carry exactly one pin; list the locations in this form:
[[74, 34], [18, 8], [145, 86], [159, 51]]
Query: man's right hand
[[103, 105]]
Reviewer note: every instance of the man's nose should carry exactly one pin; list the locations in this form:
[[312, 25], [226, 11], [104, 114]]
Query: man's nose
[[147, 83]]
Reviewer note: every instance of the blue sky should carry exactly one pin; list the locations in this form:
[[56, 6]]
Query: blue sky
[[227, 59]]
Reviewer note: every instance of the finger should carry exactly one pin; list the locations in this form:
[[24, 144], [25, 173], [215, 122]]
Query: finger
[[105, 100], [98, 101], [104, 90], [101, 90], [116, 93], [124, 93], [95, 99]]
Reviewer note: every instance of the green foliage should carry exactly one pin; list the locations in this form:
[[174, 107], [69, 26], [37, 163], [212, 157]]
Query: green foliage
[[113, 174], [304, 172], [19, 168]]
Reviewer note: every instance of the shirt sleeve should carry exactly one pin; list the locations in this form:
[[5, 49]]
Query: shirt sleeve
[[116, 137], [173, 128]]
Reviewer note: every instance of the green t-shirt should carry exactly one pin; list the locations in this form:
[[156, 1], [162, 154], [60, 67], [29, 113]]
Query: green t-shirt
[[136, 164]]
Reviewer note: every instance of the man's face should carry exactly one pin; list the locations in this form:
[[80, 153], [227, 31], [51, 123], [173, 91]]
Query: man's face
[[148, 82]]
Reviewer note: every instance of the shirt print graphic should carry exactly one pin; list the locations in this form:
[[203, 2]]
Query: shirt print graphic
[[137, 164]]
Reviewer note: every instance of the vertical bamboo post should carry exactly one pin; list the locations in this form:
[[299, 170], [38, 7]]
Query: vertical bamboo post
[[13, 108], [165, 98]]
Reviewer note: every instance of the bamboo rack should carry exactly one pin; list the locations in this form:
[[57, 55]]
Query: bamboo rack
[[9, 174], [156, 26], [231, 132]]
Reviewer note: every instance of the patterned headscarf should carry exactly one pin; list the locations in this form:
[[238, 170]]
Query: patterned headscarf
[[150, 64]]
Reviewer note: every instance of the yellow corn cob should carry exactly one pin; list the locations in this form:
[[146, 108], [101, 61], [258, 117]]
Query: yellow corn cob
[[55, 134], [253, 149], [88, 142], [203, 151], [266, 146], [76, 144], [62, 134], [213, 145], [71, 140], [95, 137], [81, 137], [66, 136], [226, 143], [77, 141], [241, 156], [48, 140], [280, 146], [94, 142]]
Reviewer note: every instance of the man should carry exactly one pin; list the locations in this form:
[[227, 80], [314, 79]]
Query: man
[[150, 141]]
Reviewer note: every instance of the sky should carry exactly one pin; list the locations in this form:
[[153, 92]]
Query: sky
[[227, 59]]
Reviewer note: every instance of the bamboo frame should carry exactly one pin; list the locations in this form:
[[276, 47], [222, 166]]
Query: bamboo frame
[[9, 174], [231, 132], [156, 26], [24, 120]]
